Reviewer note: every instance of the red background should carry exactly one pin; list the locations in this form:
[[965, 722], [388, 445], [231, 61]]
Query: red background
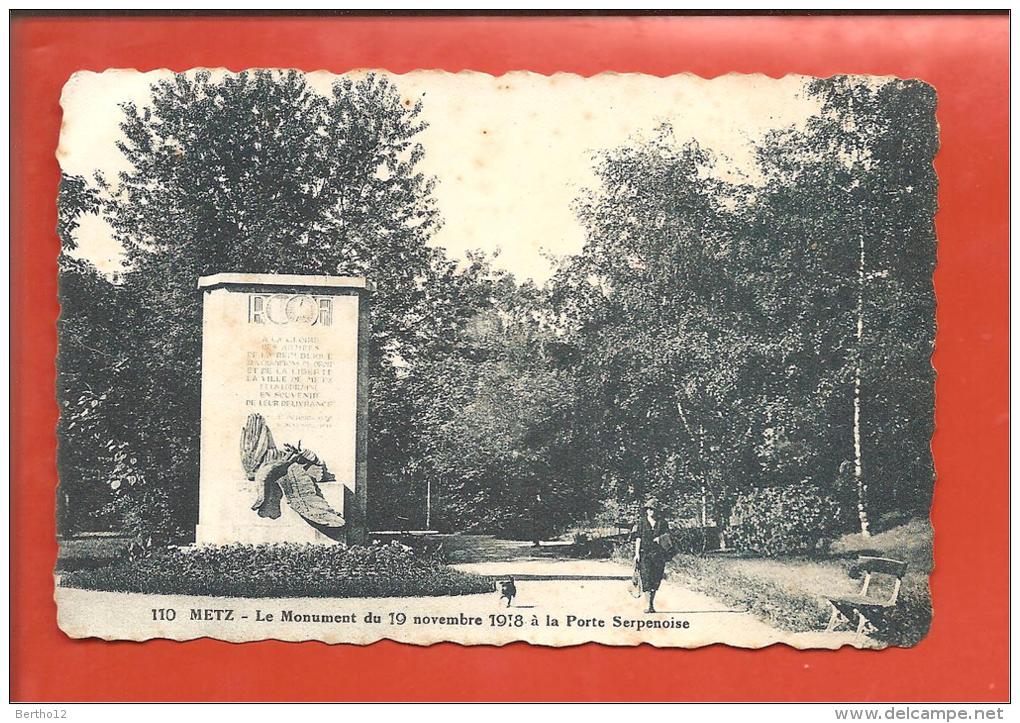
[[966, 655]]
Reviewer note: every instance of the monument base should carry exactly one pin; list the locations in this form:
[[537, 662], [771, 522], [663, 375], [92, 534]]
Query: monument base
[[261, 535]]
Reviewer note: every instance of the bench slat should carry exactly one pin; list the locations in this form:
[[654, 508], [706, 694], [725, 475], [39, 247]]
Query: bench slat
[[882, 565]]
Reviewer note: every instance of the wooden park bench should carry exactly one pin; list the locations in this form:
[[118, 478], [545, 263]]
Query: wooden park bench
[[867, 608]]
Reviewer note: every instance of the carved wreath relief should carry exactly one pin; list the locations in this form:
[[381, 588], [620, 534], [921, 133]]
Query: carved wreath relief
[[291, 472], [290, 308]]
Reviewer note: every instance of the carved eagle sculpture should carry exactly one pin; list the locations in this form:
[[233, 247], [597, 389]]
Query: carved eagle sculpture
[[291, 472]]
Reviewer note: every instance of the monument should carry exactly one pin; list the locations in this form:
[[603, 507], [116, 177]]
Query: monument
[[284, 409]]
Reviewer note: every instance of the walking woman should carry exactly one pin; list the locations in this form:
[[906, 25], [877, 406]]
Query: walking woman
[[651, 545]]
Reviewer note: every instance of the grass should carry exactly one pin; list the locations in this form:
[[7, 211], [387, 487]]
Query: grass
[[910, 541], [789, 592], [91, 550]]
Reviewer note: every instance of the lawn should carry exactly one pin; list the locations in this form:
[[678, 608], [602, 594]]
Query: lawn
[[96, 549]]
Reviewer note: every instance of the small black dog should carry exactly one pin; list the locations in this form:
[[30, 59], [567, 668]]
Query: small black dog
[[507, 589]]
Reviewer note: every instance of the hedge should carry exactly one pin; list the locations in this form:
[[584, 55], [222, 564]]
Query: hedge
[[781, 520], [282, 570]]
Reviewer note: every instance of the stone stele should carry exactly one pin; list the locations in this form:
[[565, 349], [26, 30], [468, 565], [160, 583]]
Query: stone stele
[[294, 350]]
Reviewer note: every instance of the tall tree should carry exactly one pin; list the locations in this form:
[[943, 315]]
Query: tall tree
[[857, 186], [87, 364], [665, 330]]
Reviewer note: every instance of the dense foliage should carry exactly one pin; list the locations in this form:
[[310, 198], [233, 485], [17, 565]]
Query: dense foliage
[[285, 570], [708, 344], [775, 520]]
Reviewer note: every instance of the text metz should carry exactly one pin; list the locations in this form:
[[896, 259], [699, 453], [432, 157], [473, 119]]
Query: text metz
[[216, 614]]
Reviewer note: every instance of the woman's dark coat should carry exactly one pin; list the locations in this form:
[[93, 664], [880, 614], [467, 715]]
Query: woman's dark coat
[[651, 558]]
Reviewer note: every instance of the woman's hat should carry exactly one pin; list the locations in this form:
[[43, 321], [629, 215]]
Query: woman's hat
[[651, 504]]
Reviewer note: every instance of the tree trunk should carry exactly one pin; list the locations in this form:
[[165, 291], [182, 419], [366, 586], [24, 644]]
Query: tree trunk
[[862, 487]]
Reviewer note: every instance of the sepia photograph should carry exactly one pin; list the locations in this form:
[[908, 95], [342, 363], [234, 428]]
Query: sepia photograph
[[440, 356]]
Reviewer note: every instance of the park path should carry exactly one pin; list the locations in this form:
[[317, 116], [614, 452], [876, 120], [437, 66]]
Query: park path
[[600, 590]]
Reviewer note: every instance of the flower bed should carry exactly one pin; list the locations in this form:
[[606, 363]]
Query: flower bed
[[284, 570]]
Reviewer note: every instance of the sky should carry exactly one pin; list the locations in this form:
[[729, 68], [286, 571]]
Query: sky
[[510, 153]]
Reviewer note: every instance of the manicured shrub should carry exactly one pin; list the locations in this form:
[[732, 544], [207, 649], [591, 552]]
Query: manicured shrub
[[778, 520], [284, 570]]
